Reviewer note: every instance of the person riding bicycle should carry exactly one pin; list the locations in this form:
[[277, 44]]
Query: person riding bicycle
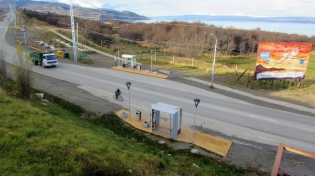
[[117, 92]]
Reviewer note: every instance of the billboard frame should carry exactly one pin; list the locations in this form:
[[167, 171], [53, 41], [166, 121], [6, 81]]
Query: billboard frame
[[282, 60]]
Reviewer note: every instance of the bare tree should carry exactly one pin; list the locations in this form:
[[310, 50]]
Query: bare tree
[[243, 46], [23, 73]]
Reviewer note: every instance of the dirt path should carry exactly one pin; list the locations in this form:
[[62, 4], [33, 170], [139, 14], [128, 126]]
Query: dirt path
[[243, 153]]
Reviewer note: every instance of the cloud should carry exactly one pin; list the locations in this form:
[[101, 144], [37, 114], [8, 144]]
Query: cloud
[[89, 4]]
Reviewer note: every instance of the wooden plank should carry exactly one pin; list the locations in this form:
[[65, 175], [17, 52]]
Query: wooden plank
[[300, 152], [241, 75], [277, 161], [210, 143], [281, 147]]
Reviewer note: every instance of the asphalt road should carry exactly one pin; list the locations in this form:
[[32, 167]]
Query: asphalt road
[[230, 116]]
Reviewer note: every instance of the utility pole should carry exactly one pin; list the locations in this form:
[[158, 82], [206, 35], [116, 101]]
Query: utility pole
[[77, 36], [74, 43], [14, 14], [213, 64], [151, 59]]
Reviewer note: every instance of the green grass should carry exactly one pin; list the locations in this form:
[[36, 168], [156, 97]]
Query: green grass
[[52, 139], [86, 61], [48, 36], [230, 60], [310, 73], [148, 61], [101, 49]]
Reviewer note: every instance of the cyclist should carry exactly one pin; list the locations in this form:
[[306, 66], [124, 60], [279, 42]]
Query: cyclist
[[117, 92]]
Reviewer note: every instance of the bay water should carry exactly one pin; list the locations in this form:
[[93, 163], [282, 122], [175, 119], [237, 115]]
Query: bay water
[[299, 28]]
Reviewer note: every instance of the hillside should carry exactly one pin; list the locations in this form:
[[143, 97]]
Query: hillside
[[43, 139], [80, 12]]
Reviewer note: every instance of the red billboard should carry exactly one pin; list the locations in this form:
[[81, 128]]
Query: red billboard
[[282, 60]]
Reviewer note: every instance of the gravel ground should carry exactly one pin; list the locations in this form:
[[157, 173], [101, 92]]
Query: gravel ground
[[242, 153]]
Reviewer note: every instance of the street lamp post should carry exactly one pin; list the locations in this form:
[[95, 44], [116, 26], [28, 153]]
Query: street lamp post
[[118, 56], [213, 64], [23, 31], [151, 59], [128, 84], [197, 101], [25, 37]]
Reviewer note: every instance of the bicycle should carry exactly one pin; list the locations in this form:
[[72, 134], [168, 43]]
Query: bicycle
[[120, 98]]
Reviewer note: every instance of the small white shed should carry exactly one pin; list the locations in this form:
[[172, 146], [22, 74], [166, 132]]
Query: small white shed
[[173, 129], [132, 59]]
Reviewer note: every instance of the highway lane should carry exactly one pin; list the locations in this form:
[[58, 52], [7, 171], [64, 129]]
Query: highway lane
[[144, 92], [217, 112]]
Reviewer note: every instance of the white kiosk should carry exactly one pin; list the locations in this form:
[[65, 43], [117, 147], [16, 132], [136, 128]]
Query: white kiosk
[[173, 129]]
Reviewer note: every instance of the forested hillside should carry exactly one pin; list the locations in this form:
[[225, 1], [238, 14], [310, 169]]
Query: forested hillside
[[181, 38], [90, 29]]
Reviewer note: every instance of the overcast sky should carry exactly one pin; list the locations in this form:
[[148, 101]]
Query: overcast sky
[[152, 8]]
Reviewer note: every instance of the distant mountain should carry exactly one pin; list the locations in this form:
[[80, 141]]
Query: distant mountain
[[236, 18], [100, 14], [107, 7]]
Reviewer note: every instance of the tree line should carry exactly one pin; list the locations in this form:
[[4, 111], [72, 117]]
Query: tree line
[[198, 38]]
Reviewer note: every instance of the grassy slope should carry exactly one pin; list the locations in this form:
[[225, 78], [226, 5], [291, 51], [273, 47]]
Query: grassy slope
[[37, 139], [36, 142]]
